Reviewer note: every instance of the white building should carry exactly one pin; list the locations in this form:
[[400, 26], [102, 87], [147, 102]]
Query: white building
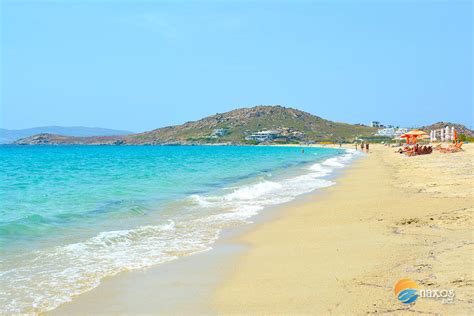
[[375, 124], [392, 132], [387, 132], [399, 132], [263, 136], [219, 132]]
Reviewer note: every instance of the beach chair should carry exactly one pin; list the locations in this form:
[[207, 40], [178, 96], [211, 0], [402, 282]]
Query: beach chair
[[456, 147], [452, 148]]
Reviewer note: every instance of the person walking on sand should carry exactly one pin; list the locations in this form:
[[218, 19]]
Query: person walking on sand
[[356, 146], [367, 147], [362, 146]]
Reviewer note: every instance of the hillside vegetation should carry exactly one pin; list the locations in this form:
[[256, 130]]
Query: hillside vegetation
[[294, 124], [291, 125]]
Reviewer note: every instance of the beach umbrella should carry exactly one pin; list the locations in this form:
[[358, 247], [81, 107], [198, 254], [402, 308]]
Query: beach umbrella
[[416, 132], [455, 135], [408, 137]]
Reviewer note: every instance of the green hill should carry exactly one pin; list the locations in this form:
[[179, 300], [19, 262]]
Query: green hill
[[293, 125], [289, 126]]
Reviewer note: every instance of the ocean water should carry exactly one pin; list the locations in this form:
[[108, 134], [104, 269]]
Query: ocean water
[[72, 215]]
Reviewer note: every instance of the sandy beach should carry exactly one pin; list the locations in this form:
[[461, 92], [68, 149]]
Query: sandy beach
[[389, 217], [340, 251]]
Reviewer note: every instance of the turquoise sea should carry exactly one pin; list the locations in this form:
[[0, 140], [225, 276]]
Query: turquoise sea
[[72, 215]]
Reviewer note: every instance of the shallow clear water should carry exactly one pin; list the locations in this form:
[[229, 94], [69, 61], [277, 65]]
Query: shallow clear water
[[71, 215]]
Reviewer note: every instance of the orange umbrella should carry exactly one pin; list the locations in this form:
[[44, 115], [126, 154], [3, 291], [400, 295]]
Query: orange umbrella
[[455, 135], [416, 133], [413, 135], [408, 137]]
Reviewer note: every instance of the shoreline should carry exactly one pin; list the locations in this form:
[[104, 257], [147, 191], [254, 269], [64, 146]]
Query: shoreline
[[309, 247], [388, 218], [110, 295], [182, 286]]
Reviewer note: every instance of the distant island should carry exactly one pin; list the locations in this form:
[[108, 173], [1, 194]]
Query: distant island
[[255, 125], [11, 135]]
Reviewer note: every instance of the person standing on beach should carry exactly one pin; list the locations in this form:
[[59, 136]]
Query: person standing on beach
[[361, 146], [367, 147], [356, 146]]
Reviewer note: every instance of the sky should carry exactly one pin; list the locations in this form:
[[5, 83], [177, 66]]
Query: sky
[[140, 65]]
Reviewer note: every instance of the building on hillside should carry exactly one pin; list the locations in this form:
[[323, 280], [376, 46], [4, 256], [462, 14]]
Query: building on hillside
[[392, 132], [387, 132], [218, 132], [263, 136], [400, 131], [375, 124]]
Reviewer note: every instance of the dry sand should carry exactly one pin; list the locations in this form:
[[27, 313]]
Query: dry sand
[[389, 217]]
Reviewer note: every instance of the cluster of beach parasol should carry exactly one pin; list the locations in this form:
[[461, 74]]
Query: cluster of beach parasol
[[445, 134]]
